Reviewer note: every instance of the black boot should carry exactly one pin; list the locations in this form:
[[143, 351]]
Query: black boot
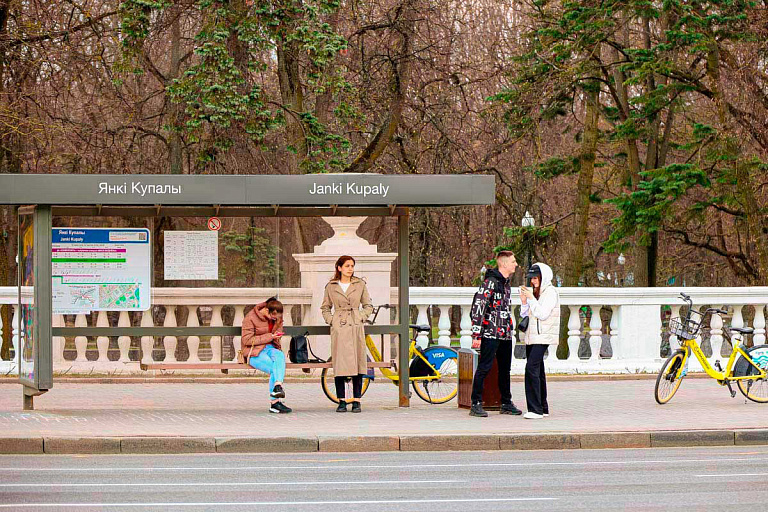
[[356, 407], [510, 409], [477, 410], [342, 406]]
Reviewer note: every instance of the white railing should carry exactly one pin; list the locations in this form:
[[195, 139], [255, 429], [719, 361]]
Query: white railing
[[610, 330]]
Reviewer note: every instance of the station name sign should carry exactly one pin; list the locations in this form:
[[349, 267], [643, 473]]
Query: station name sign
[[374, 190]]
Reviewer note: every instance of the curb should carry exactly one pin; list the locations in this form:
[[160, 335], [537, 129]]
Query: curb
[[348, 444]]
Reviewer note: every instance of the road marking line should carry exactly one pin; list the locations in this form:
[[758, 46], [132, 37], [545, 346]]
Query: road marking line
[[232, 484], [270, 503], [731, 474], [414, 466]]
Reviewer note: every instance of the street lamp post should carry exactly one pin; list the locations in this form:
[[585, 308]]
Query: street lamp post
[[621, 261], [528, 222]]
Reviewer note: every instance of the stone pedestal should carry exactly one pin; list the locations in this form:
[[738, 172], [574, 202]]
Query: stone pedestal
[[317, 269]]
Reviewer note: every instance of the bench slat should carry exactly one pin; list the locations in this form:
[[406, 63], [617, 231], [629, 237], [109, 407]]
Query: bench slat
[[237, 366]]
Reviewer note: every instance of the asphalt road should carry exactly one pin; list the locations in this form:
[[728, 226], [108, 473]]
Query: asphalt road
[[650, 479]]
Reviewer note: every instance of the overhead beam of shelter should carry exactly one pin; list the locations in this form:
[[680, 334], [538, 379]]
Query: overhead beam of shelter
[[311, 190]]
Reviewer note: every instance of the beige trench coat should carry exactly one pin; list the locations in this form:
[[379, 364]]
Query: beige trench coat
[[347, 331]]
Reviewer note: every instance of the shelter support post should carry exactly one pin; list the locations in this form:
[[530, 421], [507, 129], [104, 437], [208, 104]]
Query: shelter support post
[[403, 311]]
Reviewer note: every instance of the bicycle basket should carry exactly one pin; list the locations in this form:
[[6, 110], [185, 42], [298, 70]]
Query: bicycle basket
[[684, 329]]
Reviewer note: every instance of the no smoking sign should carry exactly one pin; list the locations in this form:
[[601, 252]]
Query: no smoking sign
[[214, 223]]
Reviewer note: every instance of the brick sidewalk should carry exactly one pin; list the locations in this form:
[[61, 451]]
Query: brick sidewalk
[[237, 409]]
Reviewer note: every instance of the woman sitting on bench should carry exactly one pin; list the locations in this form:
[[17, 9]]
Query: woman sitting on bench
[[262, 330]]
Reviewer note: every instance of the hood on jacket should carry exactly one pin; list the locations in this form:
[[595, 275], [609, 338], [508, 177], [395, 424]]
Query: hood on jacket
[[257, 311], [494, 272], [546, 274]]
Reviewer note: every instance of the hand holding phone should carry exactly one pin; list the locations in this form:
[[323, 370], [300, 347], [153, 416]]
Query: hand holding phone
[[278, 334]]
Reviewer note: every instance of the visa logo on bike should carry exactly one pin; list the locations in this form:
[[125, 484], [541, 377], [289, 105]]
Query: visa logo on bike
[[351, 189]]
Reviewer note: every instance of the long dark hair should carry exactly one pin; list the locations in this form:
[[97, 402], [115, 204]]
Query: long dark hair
[[340, 262]]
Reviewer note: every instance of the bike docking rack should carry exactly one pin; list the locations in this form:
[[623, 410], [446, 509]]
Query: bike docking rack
[[40, 197]]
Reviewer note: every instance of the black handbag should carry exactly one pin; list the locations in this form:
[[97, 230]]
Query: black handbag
[[523, 325], [298, 350]]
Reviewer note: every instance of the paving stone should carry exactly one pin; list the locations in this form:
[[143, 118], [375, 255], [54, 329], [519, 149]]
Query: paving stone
[[692, 438], [12, 445], [751, 437], [359, 443], [539, 442], [167, 445], [616, 440], [266, 444], [81, 444], [445, 442]]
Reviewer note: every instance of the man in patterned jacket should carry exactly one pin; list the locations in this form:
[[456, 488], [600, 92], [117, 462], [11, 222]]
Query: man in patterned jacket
[[492, 332]]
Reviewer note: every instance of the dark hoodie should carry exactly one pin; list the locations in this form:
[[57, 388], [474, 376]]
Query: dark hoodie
[[491, 308]]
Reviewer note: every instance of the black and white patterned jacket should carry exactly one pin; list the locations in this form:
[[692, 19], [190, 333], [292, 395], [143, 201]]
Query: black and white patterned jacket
[[491, 308]]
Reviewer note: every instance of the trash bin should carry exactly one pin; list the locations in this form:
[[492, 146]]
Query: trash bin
[[491, 394]]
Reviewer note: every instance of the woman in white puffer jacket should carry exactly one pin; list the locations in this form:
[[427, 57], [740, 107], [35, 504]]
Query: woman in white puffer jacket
[[542, 305]]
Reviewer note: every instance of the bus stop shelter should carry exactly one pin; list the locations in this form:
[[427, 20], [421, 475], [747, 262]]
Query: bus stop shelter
[[40, 197]]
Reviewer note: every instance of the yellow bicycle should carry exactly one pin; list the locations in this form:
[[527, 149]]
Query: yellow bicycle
[[433, 371], [748, 367]]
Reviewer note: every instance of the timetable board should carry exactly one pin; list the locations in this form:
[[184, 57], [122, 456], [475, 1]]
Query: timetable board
[[191, 255], [101, 269]]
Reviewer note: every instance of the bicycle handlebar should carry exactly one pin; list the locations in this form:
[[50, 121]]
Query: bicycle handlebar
[[376, 310]]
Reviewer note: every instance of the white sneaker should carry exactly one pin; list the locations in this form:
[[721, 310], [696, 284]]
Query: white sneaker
[[532, 416], [546, 414]]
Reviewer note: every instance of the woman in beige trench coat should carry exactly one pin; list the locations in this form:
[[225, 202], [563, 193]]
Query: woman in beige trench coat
[[345, 294]]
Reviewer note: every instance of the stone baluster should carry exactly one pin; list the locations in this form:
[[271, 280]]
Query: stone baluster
[[738, 318], [15, 332], [102, 342], [147, 342], [759, 337], [673, 340], [58, 342], [288, 314], [237, 322], [1, 326], [595, 333], [574, 334], [216, 321], [466, 327], [422, 339], [170, 342], [193, 342], [614, 325], [715, 337], [124, 342], [444, 326], [81, 342]]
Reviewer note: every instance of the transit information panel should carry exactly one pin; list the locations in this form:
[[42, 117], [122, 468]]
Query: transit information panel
[[101, 269]]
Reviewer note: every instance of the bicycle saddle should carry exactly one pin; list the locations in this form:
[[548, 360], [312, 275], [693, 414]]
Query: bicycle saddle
[[742, 330], [420, 328]]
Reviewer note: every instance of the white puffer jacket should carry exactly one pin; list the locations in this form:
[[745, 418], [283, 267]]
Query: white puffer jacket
[[544, 312]]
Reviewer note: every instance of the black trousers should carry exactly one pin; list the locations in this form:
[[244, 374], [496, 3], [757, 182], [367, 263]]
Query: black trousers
[[536, 379], [357, 386], [502, 351]]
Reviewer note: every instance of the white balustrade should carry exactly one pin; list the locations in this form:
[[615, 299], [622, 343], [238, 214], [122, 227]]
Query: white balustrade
[[444, 325], [238, 320], [715, 337], [759, 325], [422, 338], [635, 326]]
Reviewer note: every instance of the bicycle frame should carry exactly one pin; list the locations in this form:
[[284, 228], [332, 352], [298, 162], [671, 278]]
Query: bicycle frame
[[691, 345], [376, 355]]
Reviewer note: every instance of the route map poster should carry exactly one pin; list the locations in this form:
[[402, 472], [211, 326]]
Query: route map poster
[[101, 269], [28, 337]]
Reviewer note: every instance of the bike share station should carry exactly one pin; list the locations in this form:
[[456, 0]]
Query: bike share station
[[40, 197]]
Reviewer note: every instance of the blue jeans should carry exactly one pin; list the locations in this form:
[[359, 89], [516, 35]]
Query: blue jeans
[[272, 361]]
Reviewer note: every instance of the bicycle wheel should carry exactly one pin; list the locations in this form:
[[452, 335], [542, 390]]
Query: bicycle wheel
[[668, 382], [446, 361], [328, 383], [756, 390]]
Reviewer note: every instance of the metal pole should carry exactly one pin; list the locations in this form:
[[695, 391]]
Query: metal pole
[[403, 309]]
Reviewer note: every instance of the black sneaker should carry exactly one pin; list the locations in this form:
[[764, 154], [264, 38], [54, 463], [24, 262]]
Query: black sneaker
[[279, 408], [510, 409], [356, 407], [477, 410], [277, 392], [342, 406]]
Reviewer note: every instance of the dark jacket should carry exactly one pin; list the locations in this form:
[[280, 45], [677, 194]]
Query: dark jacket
[[491, 308]]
